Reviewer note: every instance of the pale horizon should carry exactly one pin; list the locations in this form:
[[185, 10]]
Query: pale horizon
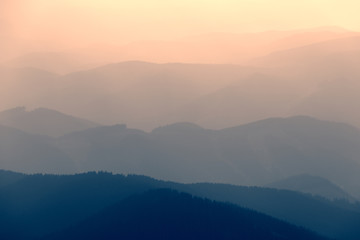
[[34, 25]]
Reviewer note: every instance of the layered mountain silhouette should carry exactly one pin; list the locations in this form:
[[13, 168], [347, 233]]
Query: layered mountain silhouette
[[223, 138], [143, 95], [331, 67], [302, 72], [310, 81], [253, 154], [43, 121], [65, 206]]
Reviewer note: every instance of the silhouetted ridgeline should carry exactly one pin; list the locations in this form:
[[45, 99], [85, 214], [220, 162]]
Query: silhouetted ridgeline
[[43, 121], [39, 205]]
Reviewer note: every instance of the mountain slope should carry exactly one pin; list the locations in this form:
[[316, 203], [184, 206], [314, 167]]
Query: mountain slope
[[313, 185], [334, 219], [166, 214], [8, 177], [21, 151], [328, 101], [252, 98]]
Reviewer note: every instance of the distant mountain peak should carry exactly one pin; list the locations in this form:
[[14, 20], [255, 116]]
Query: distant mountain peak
[[298, 119], [178, 127], [20, 109], [24, 110], [43, 121]]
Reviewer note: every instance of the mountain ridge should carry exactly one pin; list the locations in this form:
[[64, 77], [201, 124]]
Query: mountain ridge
[[43, 121], [312, 185]]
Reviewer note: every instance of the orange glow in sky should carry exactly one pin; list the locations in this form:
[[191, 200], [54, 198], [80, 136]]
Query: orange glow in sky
[[70, 24], [119, 20]]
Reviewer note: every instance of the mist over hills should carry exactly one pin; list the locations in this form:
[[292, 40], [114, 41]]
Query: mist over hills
[[26, 85], [193, 116], [137, 93], [142, 95], [211, 48], [302, 72], [331, 67], [252, 98], [145, 95]]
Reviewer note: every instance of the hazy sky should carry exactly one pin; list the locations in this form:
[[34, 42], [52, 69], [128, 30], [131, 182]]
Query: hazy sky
[[73, 23]]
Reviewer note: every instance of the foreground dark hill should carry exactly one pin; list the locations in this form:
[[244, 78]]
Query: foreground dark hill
[[313, 185], [335, 219], [254, 154], [167, 214], [43, 121], [8, 177], [37, 205]]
